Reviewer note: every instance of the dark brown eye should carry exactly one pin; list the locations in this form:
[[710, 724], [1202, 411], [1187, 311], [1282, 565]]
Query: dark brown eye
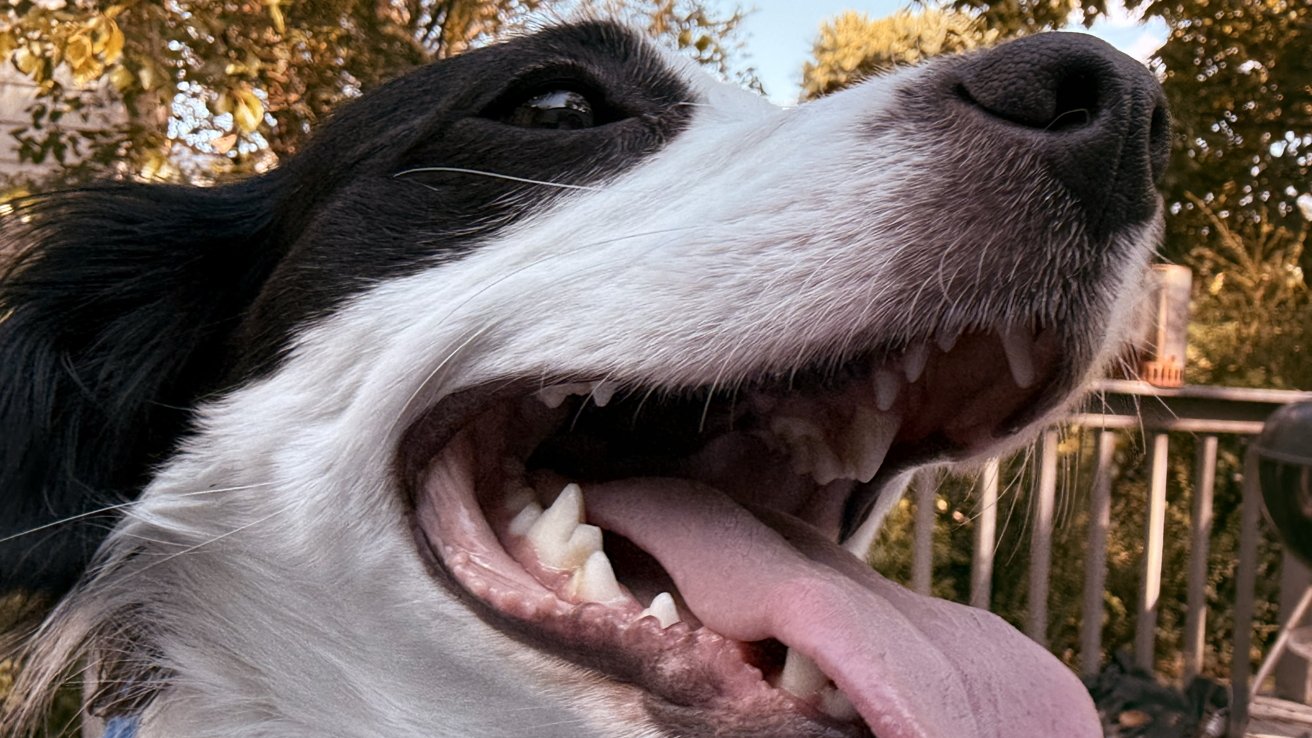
[[563, 110]]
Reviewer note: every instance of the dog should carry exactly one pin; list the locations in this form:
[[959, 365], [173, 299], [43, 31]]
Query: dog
[[548, 391]]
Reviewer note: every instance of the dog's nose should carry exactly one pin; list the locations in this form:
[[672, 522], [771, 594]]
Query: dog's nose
[[1097, 117]]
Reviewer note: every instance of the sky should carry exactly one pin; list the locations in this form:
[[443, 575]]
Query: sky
[[779, 34]]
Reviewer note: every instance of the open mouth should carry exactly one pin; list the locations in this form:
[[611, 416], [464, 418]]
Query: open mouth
[[687, 541]]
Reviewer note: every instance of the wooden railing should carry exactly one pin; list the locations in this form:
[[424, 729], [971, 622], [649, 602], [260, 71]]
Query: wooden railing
[[1115, 408]]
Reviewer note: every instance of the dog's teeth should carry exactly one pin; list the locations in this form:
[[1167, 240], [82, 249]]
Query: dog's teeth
[[662, 608], [825, 465], [835, 704], [946, 341], [602, 392], [595, 582], [1018, 344], [800, 676], [525, 518], [887, 385], [554, 396], [869, 438], [913, 363], [552, 534]]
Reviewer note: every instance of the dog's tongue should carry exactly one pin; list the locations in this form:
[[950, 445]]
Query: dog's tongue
[[913, 666]]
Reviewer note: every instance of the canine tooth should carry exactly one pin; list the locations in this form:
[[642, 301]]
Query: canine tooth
[[662, 608], [553, 530], [602, 392], [825, 466], [836, 704], [800, 675], [913, 363], [1019, 347], [887, 385], [554, 396], [946, 341], [869, 439], [525, 518], [595, 581]]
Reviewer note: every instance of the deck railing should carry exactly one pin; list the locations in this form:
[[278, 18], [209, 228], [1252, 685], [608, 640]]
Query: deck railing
[[1115, 408]]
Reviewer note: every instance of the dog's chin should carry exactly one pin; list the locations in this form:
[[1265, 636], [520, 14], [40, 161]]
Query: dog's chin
[[686, 541]]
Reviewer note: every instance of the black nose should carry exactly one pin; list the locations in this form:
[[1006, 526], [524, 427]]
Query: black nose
[[1097, 117]]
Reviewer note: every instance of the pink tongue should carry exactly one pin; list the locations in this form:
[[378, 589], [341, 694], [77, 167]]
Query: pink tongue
[[913, 666]]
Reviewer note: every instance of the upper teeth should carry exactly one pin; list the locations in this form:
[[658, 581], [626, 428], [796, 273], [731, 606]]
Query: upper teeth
[[554, 395], [1018, 345]]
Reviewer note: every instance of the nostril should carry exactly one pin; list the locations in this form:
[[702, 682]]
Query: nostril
[[1159, 141], [1094, 118], [1077, 101]]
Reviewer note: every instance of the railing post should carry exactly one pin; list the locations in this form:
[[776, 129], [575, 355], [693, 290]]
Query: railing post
[[1150, 590], [1245, 579], [1041, 542], [986, 527], [1200, 536], [1095, 563], [922, 564]]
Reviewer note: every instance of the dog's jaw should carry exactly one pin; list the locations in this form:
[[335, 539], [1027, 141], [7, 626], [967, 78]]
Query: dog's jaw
[[706, 266]]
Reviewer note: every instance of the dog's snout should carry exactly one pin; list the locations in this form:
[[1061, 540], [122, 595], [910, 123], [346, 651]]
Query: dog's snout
[[1097, 117]]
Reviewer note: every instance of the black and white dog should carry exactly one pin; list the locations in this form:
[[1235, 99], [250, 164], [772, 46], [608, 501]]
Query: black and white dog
[[538, 395]]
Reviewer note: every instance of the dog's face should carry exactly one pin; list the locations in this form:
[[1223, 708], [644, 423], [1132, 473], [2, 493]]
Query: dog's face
[[709, 336]]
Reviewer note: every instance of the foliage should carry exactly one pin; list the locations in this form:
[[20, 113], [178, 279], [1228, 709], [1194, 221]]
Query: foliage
[[1253, 310], [852, 46], [167, 89]]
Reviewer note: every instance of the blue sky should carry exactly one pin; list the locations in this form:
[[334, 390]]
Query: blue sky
[[779, 34]]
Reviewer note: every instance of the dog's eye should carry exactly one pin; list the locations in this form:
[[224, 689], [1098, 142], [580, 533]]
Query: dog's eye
[[564, 110]]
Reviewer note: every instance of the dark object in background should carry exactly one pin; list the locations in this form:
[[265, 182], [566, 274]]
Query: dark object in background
[[1133, 705], [1284, 453]]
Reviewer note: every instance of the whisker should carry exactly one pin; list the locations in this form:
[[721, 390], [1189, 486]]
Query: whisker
[[495, 175], [120, 506]]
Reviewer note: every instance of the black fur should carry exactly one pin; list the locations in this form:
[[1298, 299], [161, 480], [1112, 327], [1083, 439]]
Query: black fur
[[125, 304]]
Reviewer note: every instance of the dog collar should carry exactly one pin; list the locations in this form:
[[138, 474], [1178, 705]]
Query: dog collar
[[121, 727]]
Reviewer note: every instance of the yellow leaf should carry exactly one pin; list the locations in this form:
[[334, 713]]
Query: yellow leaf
[[28, 63], [148, 76], [224, 144], [122, 78], [88, 71], [78, 49], [248, 111], [7, 43], [112, 47], [275, 14]]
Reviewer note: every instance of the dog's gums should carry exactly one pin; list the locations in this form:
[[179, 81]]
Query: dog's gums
[[687, 542]]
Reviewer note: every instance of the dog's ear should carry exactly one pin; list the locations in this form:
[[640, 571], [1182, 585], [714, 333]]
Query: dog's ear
[[116, 305]]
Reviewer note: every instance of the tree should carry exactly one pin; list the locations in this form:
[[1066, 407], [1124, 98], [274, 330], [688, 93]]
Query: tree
[[176, 86], [853, 46]]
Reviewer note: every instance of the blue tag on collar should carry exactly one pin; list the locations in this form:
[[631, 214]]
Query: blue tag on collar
[[121, 727]]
